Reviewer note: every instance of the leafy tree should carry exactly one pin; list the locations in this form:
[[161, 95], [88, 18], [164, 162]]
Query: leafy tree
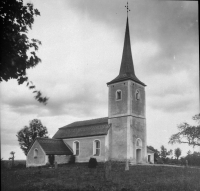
[[177, 153], [28, 134], [192, 158], [187, 133], [189, 152], [164, 153], [18, 53]]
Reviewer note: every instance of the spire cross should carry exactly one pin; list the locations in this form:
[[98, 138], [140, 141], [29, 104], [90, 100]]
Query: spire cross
[[127, 8]]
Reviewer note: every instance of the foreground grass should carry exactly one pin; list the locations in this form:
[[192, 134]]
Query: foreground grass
[[80, 177]]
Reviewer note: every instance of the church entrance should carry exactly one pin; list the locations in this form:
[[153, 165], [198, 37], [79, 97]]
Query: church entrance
[[138, 156]]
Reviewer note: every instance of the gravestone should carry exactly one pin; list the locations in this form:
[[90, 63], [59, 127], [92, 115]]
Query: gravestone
[[127, 165], [107, 169], [186, 163], [9, 165], [56, 165]]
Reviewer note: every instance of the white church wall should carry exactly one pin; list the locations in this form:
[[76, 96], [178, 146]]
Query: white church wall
[[61, 159], [86, 150]]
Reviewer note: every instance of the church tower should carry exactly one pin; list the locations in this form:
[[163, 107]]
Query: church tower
[[127, 112]]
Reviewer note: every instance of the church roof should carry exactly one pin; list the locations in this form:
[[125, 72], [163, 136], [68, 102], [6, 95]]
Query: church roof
[[85, 128], [127, 69], [54, 146]]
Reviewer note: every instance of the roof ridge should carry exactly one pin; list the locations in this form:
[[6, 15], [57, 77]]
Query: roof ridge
[[96, 122], [92, 119], [47, 138]]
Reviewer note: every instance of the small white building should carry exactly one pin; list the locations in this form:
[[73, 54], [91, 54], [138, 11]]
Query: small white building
[[42, 148]]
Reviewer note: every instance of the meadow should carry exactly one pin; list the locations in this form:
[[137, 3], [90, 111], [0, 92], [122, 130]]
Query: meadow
[[80, 177]]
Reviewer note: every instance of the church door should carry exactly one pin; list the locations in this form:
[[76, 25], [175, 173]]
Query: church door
[[138, 155], [149, 158]]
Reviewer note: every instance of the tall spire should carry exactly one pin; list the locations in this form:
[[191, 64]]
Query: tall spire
[[127, 60], [127, 68]]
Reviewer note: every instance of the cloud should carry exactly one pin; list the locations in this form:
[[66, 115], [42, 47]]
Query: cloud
[[174, 93], [173, 27], [11, 141], [173, 104], [82, 43], [84, 99]]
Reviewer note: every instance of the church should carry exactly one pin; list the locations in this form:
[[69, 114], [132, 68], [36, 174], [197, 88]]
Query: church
[[120, 136]]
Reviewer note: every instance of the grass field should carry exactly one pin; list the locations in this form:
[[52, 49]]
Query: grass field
[[80, 177]]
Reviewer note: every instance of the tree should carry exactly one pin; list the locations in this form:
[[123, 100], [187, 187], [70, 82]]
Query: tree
[[177, 153], [164, 153], [187, 133], [192, 158], [28, 134], [189, 152], [18, 53]]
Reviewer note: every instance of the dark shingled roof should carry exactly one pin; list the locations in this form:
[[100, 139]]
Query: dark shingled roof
[[149, 150], [54, 146], [127, 70], [86, 128]]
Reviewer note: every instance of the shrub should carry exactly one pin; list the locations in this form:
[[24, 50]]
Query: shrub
[[51, 159], [160, 161], [20, 166], [92, 163], [47, 164], [3, 166], [72, 159]]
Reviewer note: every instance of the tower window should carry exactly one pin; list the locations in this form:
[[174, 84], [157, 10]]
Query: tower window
[[137, 95], [76, 148], [118, 95], [96, 148]]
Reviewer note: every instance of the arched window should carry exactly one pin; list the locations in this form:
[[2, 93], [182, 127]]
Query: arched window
[[138, 142], [137, 95], [118, 95], [96, 148], [35, 153], [76, 148]]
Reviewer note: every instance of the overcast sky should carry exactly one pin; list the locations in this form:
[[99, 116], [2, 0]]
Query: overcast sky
[[82, 43]]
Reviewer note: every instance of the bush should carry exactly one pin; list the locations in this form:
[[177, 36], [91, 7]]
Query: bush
[[51, 159], [47, 164], [92, 163], [159, 161], [193, 159], [3, 166], [20, 166], [72, 159]]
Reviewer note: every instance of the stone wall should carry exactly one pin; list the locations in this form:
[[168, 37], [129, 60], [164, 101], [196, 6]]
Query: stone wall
[[61, 159], [118, 139], [118, 107], [128, 122]]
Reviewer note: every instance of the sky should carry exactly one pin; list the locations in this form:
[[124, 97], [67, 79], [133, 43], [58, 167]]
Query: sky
[[82, 43]]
